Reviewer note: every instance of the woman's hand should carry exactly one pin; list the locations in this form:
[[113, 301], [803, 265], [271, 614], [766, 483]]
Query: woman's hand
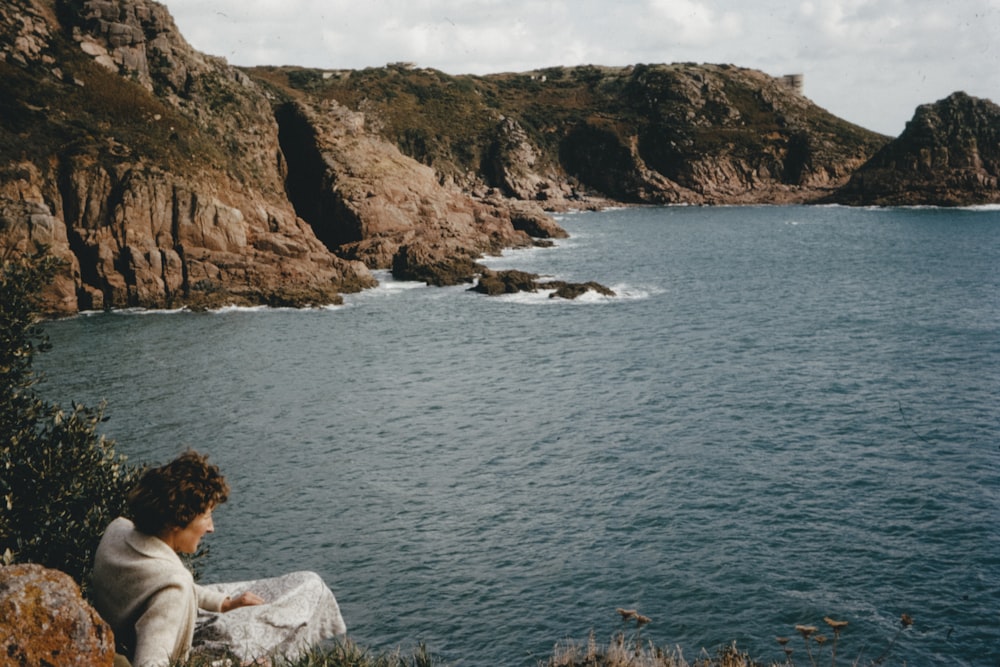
[[247, 599]]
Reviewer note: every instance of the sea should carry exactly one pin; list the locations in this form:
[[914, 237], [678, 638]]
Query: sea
[[784, 414]]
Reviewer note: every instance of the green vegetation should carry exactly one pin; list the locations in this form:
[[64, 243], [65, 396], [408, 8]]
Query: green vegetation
[[93, 112], [62, 482], [84, 111]]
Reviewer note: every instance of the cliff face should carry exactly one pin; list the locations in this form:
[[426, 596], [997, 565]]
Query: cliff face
[[153, 170], [570, 137], [948, 155], [369, 202], [160, 175]]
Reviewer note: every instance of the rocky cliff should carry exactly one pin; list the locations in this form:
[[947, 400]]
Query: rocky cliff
[[166, 177], [153, 170], [948, 155], [160, 174], [572, 137]]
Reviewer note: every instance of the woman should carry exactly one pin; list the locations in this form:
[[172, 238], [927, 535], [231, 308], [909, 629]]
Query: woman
[[149, 598]]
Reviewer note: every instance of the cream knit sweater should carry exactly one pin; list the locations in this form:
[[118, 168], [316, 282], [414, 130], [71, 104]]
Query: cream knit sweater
[[147, 595]]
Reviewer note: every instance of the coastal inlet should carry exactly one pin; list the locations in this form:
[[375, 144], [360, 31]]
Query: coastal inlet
[[784, 413]]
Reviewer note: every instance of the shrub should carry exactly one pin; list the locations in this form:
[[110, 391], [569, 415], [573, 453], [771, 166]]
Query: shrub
[[61, 482]]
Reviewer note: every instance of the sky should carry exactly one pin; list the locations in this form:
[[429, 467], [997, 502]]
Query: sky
[[871, 62]]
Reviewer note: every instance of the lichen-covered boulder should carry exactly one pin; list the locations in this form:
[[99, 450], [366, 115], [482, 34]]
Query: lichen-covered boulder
[[44, 621]]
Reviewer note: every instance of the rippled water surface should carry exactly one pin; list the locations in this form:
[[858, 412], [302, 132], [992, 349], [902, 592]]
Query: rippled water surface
[[786, 413]]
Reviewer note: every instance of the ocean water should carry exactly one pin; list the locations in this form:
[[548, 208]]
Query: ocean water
[[786, 413]]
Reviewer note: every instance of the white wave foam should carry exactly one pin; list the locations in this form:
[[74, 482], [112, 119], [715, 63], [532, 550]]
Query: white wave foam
[[145, 311], [530, 298], [931, 207], [623, 292], [635, 293], [221, 310], [509, 256], [224, 310], [590, 296], [388, 283], [131, 311]]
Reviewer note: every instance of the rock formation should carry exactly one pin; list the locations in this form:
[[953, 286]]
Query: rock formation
[[367, 201], [165, 177], [511, 281], [948, 155], [579, 137], [152, 170], [45, 621]]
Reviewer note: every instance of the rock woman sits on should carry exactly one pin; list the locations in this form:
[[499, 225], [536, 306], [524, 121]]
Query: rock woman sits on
[[150, 600]]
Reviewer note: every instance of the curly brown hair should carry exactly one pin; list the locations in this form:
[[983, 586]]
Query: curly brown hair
[[175, 493]]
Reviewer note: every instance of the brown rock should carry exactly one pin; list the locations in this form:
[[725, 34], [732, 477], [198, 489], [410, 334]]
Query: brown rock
[[574, 137], [27, 226], [370, 202], [511, 281], [532, 220], [948, 155], [438, 264], [565, 290], [493, 283], [44, 621], [172, 191], [514, 163], [148, 238]]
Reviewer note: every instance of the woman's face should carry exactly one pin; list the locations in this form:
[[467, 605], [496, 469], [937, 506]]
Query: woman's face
[[186, 539]]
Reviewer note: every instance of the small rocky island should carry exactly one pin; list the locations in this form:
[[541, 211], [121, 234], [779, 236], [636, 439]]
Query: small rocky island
[[165, 177], [511, 281], [948, 155]]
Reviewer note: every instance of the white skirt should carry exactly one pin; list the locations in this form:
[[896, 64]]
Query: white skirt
[[299, 612]]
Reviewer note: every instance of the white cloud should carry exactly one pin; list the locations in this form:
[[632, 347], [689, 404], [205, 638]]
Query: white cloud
[[869, 61], [688, 22]]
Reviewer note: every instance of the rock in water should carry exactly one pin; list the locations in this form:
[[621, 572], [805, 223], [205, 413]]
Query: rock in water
[[45, 621], [493, 283], [948, 155]]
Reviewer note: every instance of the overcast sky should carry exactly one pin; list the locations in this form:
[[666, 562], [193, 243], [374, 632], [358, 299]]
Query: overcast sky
[[871, 62]]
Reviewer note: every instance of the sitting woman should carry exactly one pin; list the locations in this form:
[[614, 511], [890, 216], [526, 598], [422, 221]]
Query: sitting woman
[[149, 598]]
